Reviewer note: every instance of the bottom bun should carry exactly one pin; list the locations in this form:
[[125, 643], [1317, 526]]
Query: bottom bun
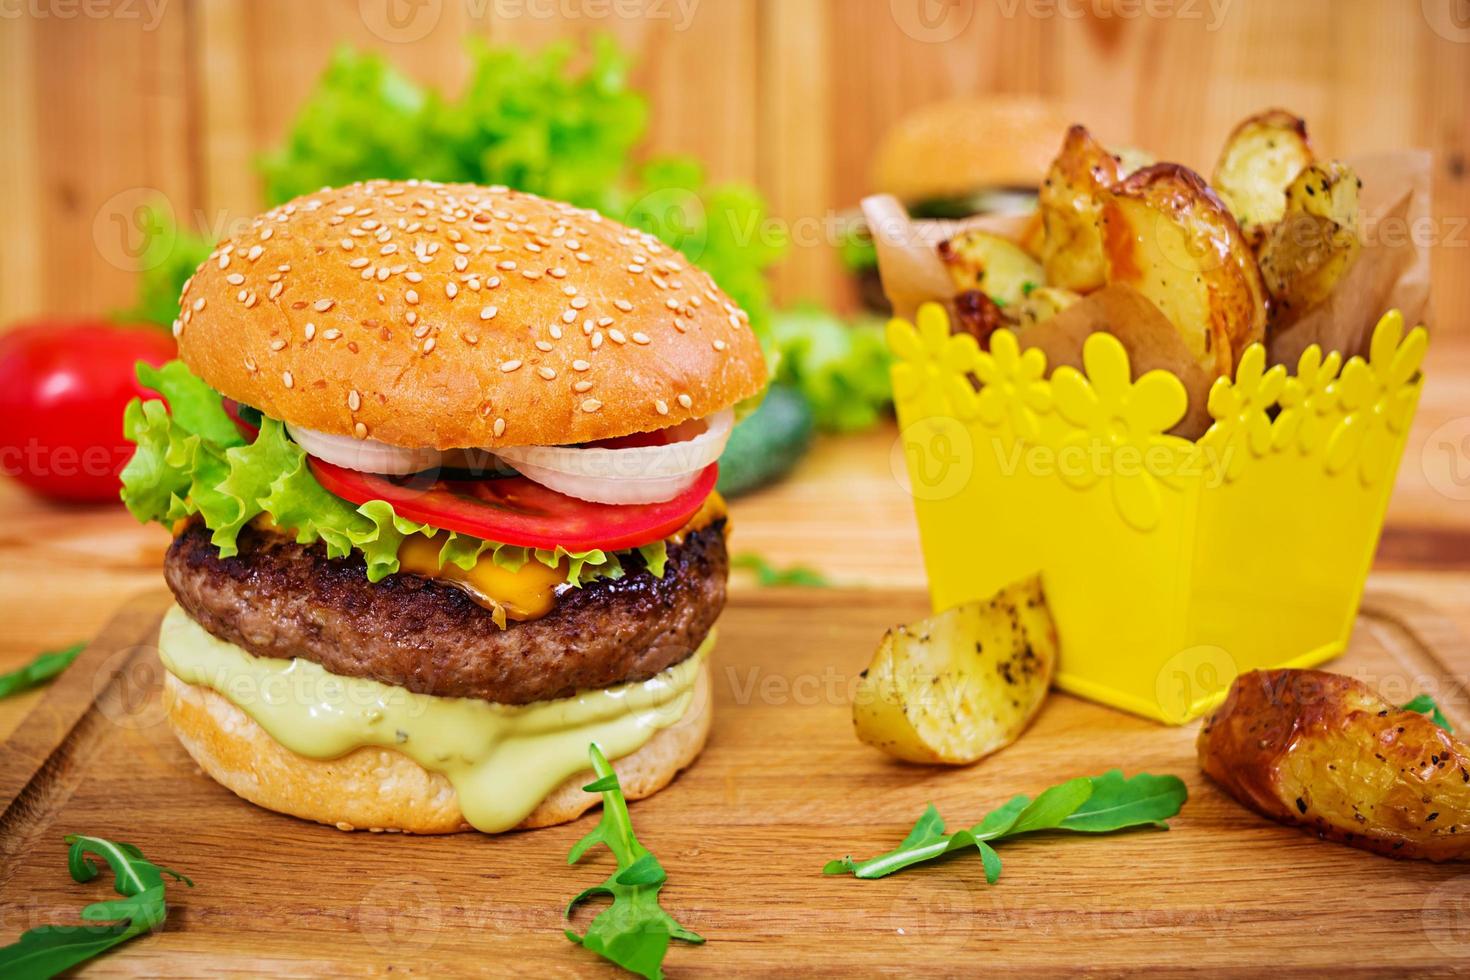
[[383, 790]]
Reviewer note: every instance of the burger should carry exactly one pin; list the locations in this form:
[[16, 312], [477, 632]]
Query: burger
[[439, 465], [955, 159]]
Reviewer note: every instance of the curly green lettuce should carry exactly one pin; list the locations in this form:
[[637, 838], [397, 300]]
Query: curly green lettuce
[[191, 459]]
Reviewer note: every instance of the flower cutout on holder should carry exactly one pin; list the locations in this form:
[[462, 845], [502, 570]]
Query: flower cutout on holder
[[1122, 425], [1240, 410], [1306, 400], [1377, 399], [933, 365], [1012, 385]]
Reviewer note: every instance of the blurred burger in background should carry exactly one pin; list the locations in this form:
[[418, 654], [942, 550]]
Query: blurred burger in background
[[955, 159]]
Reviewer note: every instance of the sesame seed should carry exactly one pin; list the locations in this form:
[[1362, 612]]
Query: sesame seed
[[250, 364], [470, 338], [661, 406], [411, 297], [488, 313], [509, 366], [331, 333], [544, 346], [635, 268], [278, 344], [411, 318], [266, 235], [422, 331], [506, 266], [276, 290], [546, 373], [580, 365], [322, 305], [558, 273], [568, 289], [583, 257], [287, 380], [604, 321], [177, 328], [234, 279], [493, 281], [199, 304], [388, 249], [685, 401], [623, 305], [555, 331], [719, 344], [360, 430], [671, 303], [224, 261], [354, 400], [580, 303], [591, 405], [348, 244], [532, 247], [250, 301], [255, 252], [597, 340], [582, 386], [310, 330], [415, 277], [530, 273], [499, 428], [428, 345], [451, 290], [617, 336]]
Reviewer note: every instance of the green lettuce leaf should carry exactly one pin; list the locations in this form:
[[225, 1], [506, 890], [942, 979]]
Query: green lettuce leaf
[[188, 463]]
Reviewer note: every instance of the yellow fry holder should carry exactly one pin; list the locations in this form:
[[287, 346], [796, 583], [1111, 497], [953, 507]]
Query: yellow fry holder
[[1169, 565]]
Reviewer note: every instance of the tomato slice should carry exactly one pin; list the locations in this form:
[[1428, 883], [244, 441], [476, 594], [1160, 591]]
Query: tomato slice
[[232, 409], [514, 510]]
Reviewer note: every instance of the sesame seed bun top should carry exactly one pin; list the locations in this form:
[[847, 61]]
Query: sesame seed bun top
[[963, 146], [453, 315]]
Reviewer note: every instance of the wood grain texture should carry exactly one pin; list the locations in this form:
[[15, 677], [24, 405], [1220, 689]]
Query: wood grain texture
[[791, 95], [782, 787]]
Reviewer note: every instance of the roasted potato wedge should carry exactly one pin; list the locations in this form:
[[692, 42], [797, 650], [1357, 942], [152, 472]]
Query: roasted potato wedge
[[1260, 159], [961, 684], [1314, 244], [1324, 752], [1167, 235], [1071, 203], [996, 266], [1131, 159], [1040, 305]]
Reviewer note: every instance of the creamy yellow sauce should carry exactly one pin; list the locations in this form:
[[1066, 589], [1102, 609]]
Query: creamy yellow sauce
[[502, 760]]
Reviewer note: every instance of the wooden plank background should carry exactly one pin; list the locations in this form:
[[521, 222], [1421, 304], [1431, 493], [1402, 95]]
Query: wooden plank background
[[107, 100]]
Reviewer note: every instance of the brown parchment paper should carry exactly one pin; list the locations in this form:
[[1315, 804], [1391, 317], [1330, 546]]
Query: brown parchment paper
[[1391, 272]]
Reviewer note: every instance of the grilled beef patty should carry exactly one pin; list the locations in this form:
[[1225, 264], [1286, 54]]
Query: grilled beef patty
[[280, 599]]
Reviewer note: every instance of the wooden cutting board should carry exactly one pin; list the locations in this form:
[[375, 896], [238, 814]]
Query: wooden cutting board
[[782, 787]]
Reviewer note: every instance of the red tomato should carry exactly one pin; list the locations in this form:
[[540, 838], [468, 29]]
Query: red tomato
[[63, 387], [514, 510]]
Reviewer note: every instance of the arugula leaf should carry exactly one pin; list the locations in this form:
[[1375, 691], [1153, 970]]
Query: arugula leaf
[[40, 670], [1425, 705], [634, 931], [1088, 805], [48, 950], [769, 575]]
